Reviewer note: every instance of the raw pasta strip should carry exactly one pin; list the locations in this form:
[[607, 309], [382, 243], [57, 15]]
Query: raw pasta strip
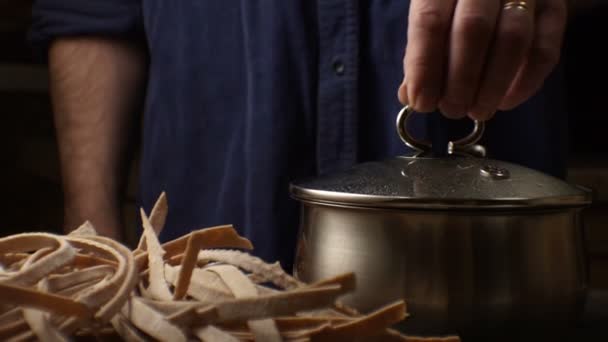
[[158, 216], [263, 272], [205, 286], [285, 334], [73, 291], [110, 294], [86, 260], [157, 287], [62, 254], [86, 229], [291, 323], [128, 284], [346, 280], [209, 333], [290, 327], [177, 246], [305, 333], [242, 287], [26, 297], [59, 282], [103, 291], [36, 256], [39, 322], [208, 238], [125, 329], [152, 322], [7, 259], [189, 313], [365, 326], [282, 303], [169, 308]]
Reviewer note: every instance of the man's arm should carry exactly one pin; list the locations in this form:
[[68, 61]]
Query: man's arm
[[96, 87]]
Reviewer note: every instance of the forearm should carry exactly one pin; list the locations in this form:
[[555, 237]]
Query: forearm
[[95, 88]]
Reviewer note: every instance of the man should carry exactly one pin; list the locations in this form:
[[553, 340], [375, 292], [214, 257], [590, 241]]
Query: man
[[241, 97]]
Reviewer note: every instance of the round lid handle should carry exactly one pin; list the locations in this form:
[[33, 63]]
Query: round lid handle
[[467, 145]]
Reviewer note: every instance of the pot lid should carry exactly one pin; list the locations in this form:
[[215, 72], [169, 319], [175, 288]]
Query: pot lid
[[464, 179]]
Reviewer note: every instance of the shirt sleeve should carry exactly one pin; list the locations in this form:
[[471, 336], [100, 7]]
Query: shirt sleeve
[[59, 18]]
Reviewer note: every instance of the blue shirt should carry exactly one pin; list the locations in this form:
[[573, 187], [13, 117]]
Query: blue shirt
[[244, 96]]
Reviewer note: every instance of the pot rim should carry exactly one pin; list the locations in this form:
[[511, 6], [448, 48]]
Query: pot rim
[[376, 201]]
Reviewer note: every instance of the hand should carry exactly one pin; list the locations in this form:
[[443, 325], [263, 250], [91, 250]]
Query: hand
[[473, 57]]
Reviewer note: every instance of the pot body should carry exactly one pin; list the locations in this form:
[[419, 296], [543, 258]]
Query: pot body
[[472, 273]]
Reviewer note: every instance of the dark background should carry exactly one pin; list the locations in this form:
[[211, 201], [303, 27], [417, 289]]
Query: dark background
[[31, 197]]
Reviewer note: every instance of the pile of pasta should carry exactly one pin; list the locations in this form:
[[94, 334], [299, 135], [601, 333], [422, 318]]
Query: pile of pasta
[[202, 286]]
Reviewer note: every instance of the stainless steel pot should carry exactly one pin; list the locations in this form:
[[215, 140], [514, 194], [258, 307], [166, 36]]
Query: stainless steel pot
[[475, 246]]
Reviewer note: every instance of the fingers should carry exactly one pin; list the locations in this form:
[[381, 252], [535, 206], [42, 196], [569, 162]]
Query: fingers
[[512, 41], [484, 57], [472, 30], [402, 93], [429, 24], [543, 55]]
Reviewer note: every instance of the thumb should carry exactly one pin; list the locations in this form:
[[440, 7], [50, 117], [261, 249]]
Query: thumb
[[402, 93]]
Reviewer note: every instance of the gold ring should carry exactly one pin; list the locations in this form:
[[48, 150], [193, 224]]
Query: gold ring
[[520, 5]]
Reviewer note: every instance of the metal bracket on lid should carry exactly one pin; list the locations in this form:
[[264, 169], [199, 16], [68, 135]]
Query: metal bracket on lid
[[464, 146]]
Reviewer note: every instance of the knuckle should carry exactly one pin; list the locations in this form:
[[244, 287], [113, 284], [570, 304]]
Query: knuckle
[[488, 101], [465, 82], [419, 63], [454, 101], [431, 21], [475, 25], [420, 70], [458, 94], [516, 33]]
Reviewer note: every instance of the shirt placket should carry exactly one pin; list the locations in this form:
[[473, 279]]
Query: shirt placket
[[337, 106]]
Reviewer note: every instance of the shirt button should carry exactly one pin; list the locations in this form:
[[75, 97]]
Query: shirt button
[[338, 67]]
